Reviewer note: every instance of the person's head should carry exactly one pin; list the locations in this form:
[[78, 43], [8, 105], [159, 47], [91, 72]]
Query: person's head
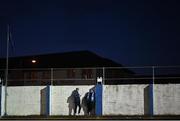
[[91, 90], [77, 89]]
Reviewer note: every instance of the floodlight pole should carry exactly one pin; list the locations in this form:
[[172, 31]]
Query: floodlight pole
[[7, 67]]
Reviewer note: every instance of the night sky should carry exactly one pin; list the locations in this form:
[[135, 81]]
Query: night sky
[[130, 32]]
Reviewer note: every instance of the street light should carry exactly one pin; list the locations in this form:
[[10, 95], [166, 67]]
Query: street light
[[33, 61]]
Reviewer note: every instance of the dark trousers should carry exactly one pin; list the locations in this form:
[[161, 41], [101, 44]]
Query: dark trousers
[[90, 107], [77, 104]]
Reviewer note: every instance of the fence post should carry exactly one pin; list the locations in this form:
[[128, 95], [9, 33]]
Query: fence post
[[103, 82], [151, 93], [0, 97], [48, 100], [52, 76], [98, 106]]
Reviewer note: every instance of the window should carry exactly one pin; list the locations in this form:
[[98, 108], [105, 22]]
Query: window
[[87, 73], [71, 73], [30, 75]]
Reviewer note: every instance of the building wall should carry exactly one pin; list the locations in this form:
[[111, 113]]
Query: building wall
[[59, 74], [24, 100], [62, 102], [117, 99], [123, 99], [31, 100], [167, 99], [63, 74]]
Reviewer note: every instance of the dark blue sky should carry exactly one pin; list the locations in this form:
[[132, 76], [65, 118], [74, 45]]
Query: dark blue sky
[[131, 32]]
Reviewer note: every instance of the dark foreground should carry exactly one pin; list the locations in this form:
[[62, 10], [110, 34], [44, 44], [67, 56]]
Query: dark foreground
[[90, 118]]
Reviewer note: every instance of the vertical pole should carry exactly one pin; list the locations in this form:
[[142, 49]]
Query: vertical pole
[[0, 97], [153, 74], [52, 76], [7, 66], [98, 98], [103, 82], [49, 92], [151, 94], [47, 100]]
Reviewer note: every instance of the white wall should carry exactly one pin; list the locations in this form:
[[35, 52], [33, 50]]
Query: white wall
[[123, 99], [26, 100], [2, 100], [23, 100], [60, 94], [117, 99], [167, 99]]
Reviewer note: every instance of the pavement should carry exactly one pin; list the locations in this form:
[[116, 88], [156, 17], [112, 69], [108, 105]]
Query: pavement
[[177, 117]]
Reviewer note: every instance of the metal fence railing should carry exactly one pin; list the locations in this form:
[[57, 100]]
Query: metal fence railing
[[87, 76]]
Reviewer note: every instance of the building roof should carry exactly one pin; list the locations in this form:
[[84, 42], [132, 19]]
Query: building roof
[[76, 59]]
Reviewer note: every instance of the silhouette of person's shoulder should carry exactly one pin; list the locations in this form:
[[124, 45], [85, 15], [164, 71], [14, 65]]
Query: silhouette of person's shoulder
[[86, 94], [74, 93]]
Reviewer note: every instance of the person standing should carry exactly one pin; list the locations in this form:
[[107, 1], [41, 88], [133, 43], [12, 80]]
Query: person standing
[[77, 101], [90, 101]]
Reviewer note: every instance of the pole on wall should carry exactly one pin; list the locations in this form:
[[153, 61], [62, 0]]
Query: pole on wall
[[103, 82], [151, 93], [52, 76], [98, 97], [47, 100], [99, 94], [0, 96], [7, 67]]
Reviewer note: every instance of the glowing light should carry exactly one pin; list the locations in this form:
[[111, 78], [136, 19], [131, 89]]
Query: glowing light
[[33, 61]]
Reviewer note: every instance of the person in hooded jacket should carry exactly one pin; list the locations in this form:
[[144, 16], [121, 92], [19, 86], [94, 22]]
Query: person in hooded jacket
[[77, 101]]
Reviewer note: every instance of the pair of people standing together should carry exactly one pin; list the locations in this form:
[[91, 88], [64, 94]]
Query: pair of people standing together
[[89, 99]]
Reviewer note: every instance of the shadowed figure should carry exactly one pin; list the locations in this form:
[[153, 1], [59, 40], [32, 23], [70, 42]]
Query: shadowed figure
[[71, 105], [84, 104], [74, 102], [90, 102]]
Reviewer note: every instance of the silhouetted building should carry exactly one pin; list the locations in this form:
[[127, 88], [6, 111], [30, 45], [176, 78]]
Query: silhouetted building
[[79, 67]]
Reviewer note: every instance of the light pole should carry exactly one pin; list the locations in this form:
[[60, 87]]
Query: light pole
[[7, 67]]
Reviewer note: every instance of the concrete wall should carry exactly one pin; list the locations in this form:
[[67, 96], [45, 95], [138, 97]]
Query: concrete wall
[[24, 100], [117, 99], [61, 102], [31, 100], [167, 99], [123, 99], [2, 100]]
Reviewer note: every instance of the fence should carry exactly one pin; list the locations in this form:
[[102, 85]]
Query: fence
[[123, 91]]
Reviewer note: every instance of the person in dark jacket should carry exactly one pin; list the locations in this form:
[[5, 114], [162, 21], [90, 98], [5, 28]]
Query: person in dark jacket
[[77, 101], [90, 97]]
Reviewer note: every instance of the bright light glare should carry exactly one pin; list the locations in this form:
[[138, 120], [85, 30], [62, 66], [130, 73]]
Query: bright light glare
[[33, 61]]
